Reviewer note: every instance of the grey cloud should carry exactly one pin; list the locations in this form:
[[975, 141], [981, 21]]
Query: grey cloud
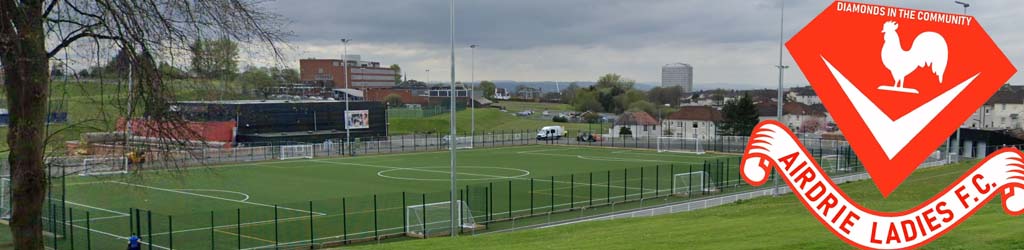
[[589, 32]]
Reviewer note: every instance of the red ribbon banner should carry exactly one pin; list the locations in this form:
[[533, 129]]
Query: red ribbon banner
[[772, 145]]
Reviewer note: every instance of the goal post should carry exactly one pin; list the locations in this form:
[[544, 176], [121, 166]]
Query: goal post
[[424, 219], [103, 166], [290, 152], [680, 145], [688, 183]]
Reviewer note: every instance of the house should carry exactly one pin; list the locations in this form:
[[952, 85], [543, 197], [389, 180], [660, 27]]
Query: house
[[1002, 111], [805, 95], [799, 117], [636, 125], [693, 122]]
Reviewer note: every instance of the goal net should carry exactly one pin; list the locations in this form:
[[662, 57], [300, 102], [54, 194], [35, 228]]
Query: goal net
[[103, 166], [296, 152], [688, 183], [833, 162], [5, 198], [464, 142], [680, 145], [423, 219]]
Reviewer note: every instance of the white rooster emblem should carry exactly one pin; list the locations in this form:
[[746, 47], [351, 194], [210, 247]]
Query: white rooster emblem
[[929, 49]]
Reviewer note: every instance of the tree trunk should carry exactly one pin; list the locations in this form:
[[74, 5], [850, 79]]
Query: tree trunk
[[26, 68]]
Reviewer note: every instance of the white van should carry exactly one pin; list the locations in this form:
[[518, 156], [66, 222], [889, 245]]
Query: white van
[[550, 133]]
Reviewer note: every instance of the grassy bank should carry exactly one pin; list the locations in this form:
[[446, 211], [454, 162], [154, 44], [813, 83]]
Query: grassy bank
[[764, 223]]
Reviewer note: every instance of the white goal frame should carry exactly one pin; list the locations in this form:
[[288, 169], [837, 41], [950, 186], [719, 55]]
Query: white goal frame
[[95, 166], [415, 223], [463, 142], [290, 152], [833, 162], [703, 180], [668, 144]]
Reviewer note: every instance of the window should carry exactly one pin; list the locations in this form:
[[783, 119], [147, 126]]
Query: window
[[320, 70], [336, 63]]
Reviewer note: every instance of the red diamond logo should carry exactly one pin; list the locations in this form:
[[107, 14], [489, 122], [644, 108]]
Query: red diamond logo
[[897, 81]]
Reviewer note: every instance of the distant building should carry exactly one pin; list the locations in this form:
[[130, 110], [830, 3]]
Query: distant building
[[1002, 111], [636, 125], [805, 95], [362, 74], [677, 74], [693, 122], [799, 117]]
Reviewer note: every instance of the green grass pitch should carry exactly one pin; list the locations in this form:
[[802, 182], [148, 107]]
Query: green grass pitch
[[235, 206]]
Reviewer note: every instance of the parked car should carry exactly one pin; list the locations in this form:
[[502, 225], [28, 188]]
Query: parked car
[[550, 133], [589, 137]]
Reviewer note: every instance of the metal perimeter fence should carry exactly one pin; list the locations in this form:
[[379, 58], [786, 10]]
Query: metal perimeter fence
[[483, 208]]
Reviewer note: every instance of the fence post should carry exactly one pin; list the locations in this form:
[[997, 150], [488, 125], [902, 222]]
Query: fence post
[[531, 196], [405, 215], [276, 239], [657, 181], [424, 212], [672, 182], [689, 191], [88, 232], [590, 192], [213, 241], [71, 225], [149, 228], [344, 222], [552, 205], [311, 232], [170, 232], [131, 221], [510, 199], [138, 222], [625, 184], [238, 227], [572, 191], [608, 187], [490, 200], [376, 235], [641, 183]]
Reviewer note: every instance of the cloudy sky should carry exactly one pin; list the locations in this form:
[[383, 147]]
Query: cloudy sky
[[731, 42]]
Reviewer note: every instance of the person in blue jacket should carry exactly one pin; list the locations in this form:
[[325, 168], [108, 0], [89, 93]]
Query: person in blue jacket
[[133, 243]]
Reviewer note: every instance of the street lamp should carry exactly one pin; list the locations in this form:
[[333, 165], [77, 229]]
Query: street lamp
[[428, 76], [344, 62], [451, 124], [956, 144], [963, 4], [472, 92], [778, 102]]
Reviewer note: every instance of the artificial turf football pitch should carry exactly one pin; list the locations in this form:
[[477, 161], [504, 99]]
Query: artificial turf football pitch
[[295, 202]]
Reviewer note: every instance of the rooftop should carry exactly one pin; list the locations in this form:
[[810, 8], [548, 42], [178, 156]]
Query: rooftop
[[696, 113], [636, 118]]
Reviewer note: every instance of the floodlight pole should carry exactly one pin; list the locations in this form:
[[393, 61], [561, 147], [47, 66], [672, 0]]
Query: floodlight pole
[[956, 144], [472, 92], [344, 62], [454, 206], [780, 100]]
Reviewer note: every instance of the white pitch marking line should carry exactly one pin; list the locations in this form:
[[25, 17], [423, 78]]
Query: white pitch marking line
[[92, 207], [215, 197], [218, 191]]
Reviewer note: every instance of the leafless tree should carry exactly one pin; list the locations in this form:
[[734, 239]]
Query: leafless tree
[[34, 31]]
